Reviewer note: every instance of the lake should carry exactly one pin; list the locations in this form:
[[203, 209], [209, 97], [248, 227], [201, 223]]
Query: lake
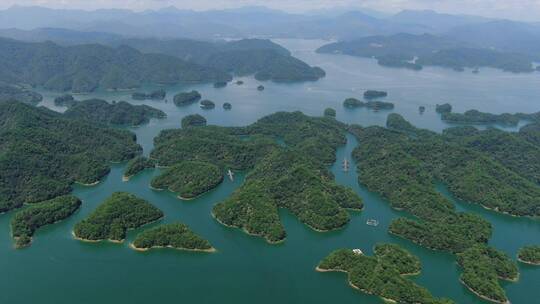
[[57, 269]]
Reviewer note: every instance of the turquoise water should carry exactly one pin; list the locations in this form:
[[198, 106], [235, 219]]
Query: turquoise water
[[57, 269]]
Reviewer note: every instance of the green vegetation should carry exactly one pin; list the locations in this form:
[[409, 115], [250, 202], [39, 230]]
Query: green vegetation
[[42, 153], [415, 51], [176, 235], [260, 57], [444, 108], [329, 112], [265, 64], [189, 178], [84, 68], [66, 100], [529, 255], [293, 176], [477, 166], [137, 165], [375, 105], [382, 274], [531, 133], [154, 95], [117, 214], [397, 257], [482, 268], [186, 98], [25, 223], [477, 117], [17, 93], [370, 94], [207, 104], [120, 113], [227, 106], [193, 120]]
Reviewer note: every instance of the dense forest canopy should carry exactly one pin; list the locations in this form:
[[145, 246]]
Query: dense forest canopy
[[27, 221], [119, 113], [117, 214], [382, 274], [42, 153], [84, 68], [176, 235]]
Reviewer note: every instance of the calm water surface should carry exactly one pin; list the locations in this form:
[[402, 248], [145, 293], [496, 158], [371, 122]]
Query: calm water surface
[[57, 269]]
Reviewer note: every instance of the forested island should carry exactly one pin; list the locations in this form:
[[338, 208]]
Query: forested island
[[477, 117], [120, 113], [415, 51], [176, 235], [383, 274], [370, 94], [187, 98], [483, 266], [85, 68], [193, 120], [117, 214], [137, 165], [207, 104], [154, 95], [414, 160], [529, 255], [189, 178], [13, 92], [43, 153], [329, 112], [227, 106], [25, 223], [353, 103], [280, 177]]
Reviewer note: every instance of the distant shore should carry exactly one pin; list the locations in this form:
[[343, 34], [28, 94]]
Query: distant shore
[[210, 250]]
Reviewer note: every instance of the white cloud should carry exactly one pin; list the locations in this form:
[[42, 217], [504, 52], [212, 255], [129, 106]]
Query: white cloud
[[513, 9]]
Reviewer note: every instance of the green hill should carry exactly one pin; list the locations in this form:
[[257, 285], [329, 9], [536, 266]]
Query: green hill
[[42, 153]]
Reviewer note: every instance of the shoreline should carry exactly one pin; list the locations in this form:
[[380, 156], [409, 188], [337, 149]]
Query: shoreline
[[88, 185], [318, 269], [249, 233], [210, 250], [528, 263], [126, 178], [482, 296]]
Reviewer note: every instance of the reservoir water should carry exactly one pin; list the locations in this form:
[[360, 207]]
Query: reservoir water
[[57, 269]]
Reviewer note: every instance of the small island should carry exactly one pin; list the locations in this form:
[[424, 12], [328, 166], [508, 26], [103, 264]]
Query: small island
[[372, 94], [111, 220], [329, 112], [66, 100], [189, 179], [421, 109], [227, 106], [239, 82], [186, 98], [260, 88], [383, 274], [137, 165], [483, 266], [207, 104], [193, 120], [154, 95], [353, 103], [25, 223], [220, 84], [443, 108], [118, 113], [477, 117], [529, 255], [176, 235]]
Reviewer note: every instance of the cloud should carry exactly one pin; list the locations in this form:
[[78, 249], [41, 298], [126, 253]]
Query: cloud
[[512, 9]]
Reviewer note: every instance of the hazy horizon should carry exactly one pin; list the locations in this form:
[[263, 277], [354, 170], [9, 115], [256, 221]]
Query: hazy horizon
[[523, 10]]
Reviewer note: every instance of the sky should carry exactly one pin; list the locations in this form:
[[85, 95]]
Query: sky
[[511, 9]]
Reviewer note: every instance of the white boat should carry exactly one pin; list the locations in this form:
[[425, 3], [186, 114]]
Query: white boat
[[231, 175], [372, 222]]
